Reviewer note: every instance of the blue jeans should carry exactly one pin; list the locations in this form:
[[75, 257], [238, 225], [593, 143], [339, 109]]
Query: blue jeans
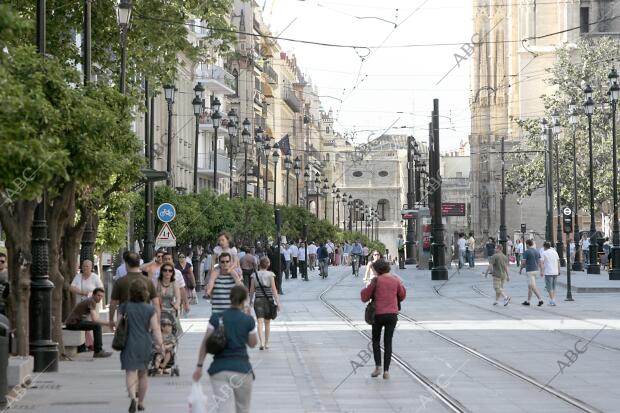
[[470, 258], [461, 258]]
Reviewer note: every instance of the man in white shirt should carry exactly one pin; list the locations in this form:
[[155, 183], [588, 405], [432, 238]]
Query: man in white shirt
[[585, 250], [550, 270], [286, 252], [519, 251], [312, 255], [301, 258], [294, 250], [331, 249], [462, 244]]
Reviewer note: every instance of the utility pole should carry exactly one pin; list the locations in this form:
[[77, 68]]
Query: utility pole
[[502, 203], [439, 270], [410, 240]]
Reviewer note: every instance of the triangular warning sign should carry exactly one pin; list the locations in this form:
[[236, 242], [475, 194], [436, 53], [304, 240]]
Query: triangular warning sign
[[166, 237]]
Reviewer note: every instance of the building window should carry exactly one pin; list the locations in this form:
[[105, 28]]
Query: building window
[[459, 174], [358, 174], [383, 174], [383, 208], [584, 19]]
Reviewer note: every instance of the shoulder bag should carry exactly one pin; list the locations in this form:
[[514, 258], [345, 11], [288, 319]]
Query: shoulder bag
[[216, 342], [120, 334], [369, 314], [273, 307]]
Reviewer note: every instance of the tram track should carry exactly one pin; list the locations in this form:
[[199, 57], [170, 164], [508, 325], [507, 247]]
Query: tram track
[[437, 391]]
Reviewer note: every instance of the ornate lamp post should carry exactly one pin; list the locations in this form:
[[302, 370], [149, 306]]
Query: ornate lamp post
[[216, 117], [337, 222], [245, 136], [325, 193], [614, 92], [258, 139], [559, 245], [307, 179], [297, 169], [198, 109], [350, 203], [275, 156], [123, 16], [232, 144], [333, 204], [266, 150], [317, 190], [573, 120], [169, 95], [547, 139], [593, 267], [288, 164]]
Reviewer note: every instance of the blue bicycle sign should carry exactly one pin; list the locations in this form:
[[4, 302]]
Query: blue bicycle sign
[[166, 212]]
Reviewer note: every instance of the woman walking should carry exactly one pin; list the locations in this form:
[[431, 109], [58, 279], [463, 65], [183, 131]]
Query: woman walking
[[169, 293], [387, 291], [263, 284], [231, 372], [370, 272], [142, 329], [189, 277]]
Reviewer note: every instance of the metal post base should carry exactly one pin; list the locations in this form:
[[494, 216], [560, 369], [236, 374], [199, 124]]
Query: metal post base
[[45, 353], [578, 266], [439, 274], [593, 266], [614, 273], [559, 248]]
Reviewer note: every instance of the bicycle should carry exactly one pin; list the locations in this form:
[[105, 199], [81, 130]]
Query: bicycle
[[355, 264]]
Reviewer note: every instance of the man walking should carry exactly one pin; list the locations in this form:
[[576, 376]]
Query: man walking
[[498, 266], [462, 244], [531, 263], [294, 251], [301, 259], [471, 246], [248, 266], [519, 250], [286, 253], [550, 270], [312, 255], [401, 252]]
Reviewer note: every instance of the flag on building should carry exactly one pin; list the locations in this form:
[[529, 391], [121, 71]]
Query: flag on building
[[285, 145]]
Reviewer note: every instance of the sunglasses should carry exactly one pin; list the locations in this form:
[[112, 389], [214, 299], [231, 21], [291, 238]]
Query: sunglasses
[[159, 255], [167, 270], [224, 262], [181, 256]]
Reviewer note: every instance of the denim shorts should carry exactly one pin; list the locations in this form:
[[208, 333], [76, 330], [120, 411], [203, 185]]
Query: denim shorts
[[550, 282]]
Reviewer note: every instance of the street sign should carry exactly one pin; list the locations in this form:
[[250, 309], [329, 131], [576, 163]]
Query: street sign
[[567, 220], [567, 211], [453, 209], [408, 213], [523, 228], [166, 212], [166, 237]]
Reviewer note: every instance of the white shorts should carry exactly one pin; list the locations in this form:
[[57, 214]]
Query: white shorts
[[345, 254]]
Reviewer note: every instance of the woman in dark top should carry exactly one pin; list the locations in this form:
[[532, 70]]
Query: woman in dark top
[[142, 328], [264, 295], [387, 291], [231, 371]]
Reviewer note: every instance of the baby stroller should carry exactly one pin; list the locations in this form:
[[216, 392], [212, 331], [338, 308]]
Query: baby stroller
[[168, 365]]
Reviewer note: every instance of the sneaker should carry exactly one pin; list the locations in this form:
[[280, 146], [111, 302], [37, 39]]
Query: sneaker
[[102, 354], [525, 303], [376, 373], [540, 303], [552, 304], [386, 375], [506, 301], [495, 303]]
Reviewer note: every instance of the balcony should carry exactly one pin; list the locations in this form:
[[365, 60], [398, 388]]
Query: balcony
[[205, 164], [216, 79], [291, 100], [272, 76]]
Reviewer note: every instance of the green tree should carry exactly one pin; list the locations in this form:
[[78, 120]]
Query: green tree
[[587, 63]]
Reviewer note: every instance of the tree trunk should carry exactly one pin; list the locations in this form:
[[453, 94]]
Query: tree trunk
[[17, 222]]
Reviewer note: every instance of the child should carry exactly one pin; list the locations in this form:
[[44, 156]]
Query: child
[[169, 344]]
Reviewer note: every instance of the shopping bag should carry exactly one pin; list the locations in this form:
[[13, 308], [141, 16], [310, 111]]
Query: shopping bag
[[197, 399]]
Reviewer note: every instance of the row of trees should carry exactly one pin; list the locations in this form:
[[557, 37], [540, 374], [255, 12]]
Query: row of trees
[[76, 142], [201, 217]]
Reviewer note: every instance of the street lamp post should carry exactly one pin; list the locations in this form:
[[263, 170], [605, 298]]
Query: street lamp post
[[317, 190], [297, 169], [258, 138], [216, 118], [325, 193], [573, 119], [614, 92], [559, 245], [350, 203], [334, 204], [198, 108], [169, 95], [547, 138], [123, 16], [275, 156], [245, 135], [288, 164], [344, 199], [338, 207], [307, 179], [232, 137], [593, 267], [266, 149]]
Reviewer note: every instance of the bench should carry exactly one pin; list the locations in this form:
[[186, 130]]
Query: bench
[[72, 339]]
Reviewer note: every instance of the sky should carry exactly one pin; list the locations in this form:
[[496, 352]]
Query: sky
[[389, 86]]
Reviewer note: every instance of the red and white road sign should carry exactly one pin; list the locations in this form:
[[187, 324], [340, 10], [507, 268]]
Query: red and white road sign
[[166, 237]]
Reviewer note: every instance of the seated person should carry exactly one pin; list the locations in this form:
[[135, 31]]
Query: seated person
[[77, 320], [170, 343]]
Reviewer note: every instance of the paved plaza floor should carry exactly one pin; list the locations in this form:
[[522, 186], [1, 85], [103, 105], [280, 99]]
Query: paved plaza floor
[[454, 351]]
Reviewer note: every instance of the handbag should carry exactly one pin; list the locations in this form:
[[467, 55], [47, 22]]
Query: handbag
[[120, 334], [273, 307], [371, 307], [216, 342]]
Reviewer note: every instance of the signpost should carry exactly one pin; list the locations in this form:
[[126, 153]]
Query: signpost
[[166, 212], [567, 223], [166, 237], [453, 209]]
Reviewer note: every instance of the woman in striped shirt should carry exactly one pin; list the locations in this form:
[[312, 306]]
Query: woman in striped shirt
[[221, 283], [268, 293]]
